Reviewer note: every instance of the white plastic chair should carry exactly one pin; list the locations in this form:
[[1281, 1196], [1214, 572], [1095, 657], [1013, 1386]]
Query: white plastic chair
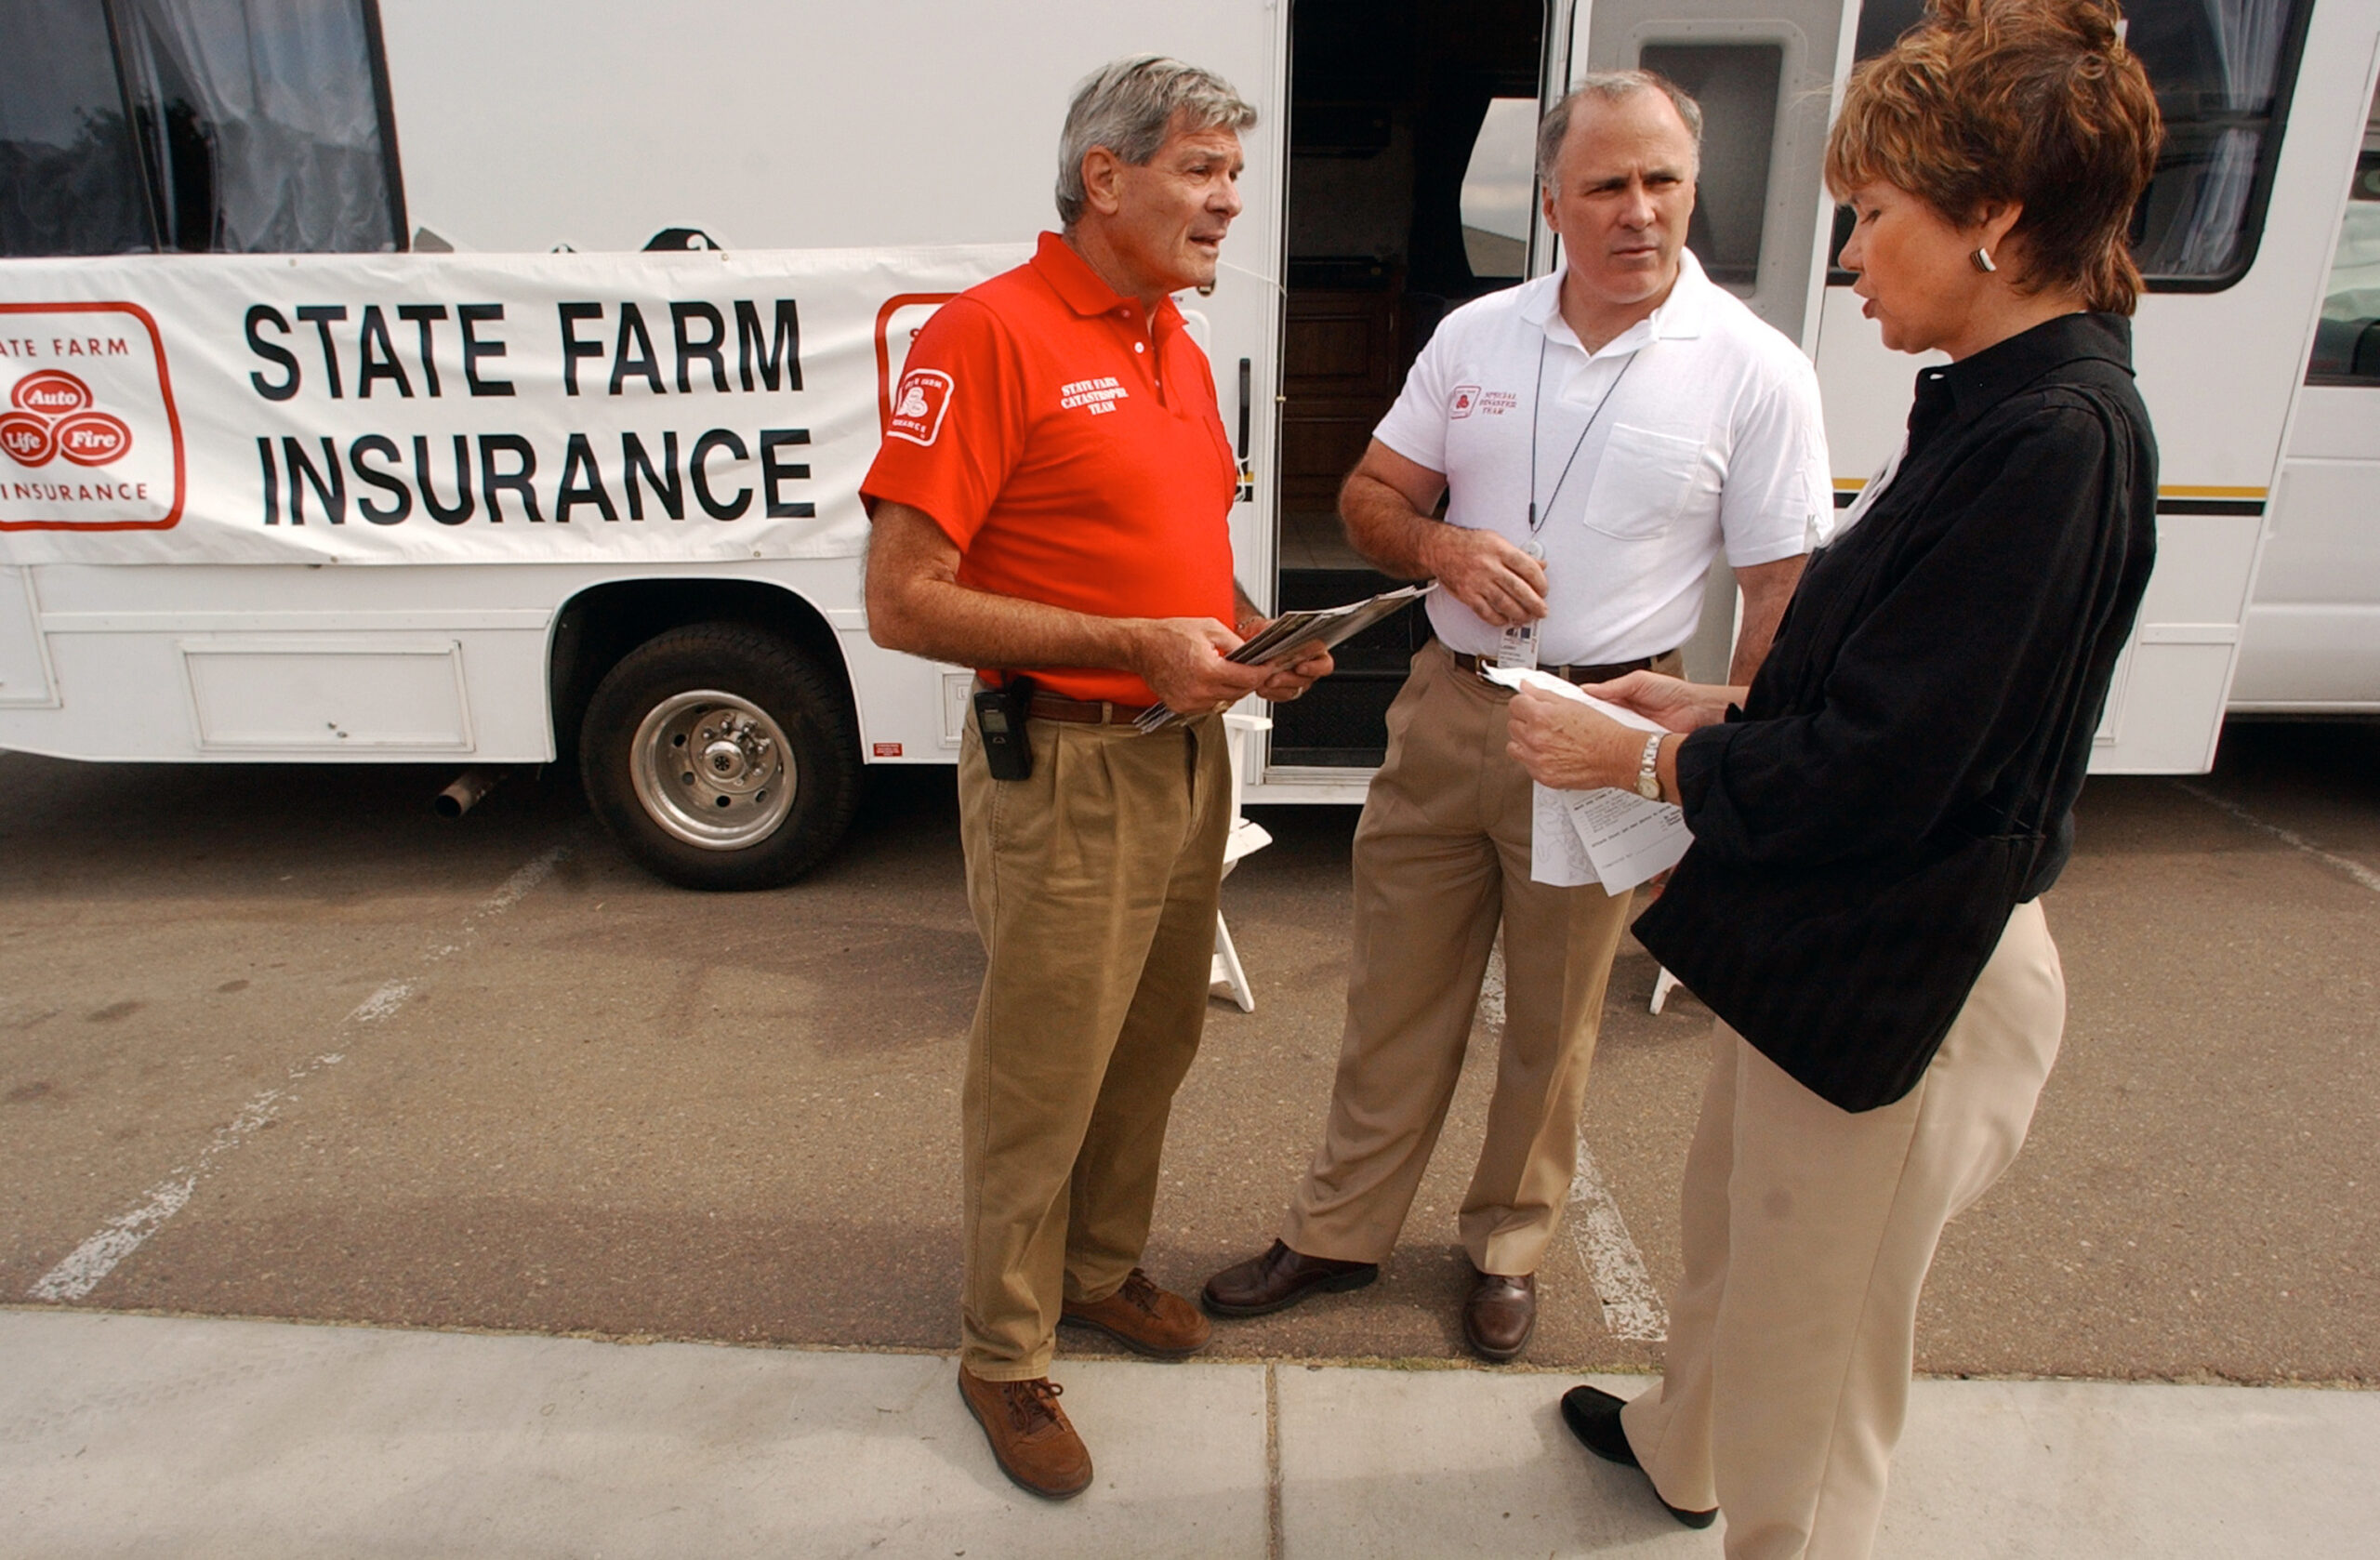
[[1245, 839]]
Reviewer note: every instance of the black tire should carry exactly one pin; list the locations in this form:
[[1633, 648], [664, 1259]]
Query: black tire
[[749, 751]]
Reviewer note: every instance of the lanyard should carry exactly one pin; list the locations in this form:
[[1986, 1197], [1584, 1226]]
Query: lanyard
[[1538, 405]]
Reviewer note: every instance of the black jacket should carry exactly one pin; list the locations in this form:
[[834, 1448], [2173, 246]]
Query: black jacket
[[1938, 681]]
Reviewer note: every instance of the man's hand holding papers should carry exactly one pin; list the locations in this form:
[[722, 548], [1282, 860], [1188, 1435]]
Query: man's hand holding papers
[[1295, 638]]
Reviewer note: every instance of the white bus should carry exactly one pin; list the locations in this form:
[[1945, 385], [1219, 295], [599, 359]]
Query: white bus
[[172, 144]]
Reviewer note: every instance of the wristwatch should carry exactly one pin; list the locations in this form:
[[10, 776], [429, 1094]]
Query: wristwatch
[[1648, 774]]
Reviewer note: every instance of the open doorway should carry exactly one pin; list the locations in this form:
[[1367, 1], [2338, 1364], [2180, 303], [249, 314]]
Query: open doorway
[[1411, 127]]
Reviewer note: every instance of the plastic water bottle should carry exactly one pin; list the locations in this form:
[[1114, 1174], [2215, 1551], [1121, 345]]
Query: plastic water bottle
[[1517, 649]]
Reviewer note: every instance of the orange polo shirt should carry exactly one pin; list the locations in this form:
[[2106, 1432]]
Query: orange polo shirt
[[1073, 455]]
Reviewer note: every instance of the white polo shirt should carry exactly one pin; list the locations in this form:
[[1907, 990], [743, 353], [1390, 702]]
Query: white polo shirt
[[1713, 439]]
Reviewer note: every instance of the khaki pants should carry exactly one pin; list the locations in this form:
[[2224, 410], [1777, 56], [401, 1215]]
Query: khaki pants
[[1442, 855], [1093, 884], [1807, 1234]]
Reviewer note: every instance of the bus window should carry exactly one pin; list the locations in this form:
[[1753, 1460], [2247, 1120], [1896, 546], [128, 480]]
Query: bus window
[[1737, 84], [2222, 70], [1500, 190], [68, 183], [254, 126], [2346, 339]]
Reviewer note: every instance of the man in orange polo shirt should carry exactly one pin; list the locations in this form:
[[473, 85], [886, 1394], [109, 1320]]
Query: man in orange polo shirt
[[1053, 499]]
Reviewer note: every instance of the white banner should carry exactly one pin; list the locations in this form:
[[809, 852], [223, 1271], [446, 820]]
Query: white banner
[[453, 408]]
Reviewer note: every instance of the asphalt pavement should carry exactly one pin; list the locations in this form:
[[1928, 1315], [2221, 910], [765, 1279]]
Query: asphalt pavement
[[277, 1043]]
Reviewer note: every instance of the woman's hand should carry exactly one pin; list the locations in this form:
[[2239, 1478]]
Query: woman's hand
[[1563, 744], [1674, 702]]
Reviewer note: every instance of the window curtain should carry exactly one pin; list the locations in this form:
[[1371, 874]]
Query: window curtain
[[2242, 65], [259, 121]]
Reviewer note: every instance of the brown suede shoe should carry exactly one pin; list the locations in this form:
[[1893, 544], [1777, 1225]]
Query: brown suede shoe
[[1499, 1315], [1280, 1277], [1144, 1318], [1031, 1438]]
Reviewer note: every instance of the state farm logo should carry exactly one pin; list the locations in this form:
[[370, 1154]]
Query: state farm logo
[[52, 416], [917, 410], [1465, 398], [27, 438], [52, 391], [90, 440]]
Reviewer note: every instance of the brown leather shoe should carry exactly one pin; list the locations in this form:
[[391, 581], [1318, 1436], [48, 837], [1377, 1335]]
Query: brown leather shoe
[[1499, 1315], [1280, 1277], [1031, 1438], [1144, 1318]]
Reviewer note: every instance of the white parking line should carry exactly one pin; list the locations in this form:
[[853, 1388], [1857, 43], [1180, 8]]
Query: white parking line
[[121, 1236], [1631, 1306], [2354, 869]]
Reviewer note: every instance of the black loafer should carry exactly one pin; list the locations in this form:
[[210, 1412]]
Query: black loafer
[[1593, 1415]]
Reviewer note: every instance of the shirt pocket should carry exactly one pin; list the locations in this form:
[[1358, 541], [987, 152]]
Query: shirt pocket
[[1641, 482]]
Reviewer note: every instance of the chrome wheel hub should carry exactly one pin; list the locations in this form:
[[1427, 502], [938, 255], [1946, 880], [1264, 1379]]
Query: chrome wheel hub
[[712, 770]]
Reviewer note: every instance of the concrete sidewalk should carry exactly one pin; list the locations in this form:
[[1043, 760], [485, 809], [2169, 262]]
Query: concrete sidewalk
[[134, 1436]]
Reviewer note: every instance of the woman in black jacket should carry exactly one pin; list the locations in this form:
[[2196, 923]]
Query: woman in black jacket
[[1875, 817]]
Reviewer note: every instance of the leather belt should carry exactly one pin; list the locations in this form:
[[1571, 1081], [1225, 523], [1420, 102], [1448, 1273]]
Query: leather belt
[[1087, 712], [1569, 674]]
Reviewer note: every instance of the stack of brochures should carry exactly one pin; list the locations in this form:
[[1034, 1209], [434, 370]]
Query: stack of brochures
[[1292, 636]]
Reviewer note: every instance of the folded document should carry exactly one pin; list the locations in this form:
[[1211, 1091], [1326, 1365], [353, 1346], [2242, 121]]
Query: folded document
[[1609, 836]]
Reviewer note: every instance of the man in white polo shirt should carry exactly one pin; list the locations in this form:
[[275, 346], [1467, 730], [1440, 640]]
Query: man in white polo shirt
[[1601, 435]]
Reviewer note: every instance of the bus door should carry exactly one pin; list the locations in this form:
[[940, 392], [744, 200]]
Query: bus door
[[1765, 72], [1411, 129]]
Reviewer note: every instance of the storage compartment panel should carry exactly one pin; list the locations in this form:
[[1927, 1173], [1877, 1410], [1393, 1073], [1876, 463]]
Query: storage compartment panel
[[303, 695]]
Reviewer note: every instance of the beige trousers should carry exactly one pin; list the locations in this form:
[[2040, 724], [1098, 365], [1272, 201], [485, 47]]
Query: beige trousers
[[1442, 857], [1094, 886], [1807, 1232]]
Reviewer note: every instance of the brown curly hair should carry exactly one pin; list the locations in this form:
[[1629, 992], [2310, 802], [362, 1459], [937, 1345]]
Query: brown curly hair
[[2035, 102]]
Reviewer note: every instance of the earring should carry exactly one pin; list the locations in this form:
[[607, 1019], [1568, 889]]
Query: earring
[[1981, 259]]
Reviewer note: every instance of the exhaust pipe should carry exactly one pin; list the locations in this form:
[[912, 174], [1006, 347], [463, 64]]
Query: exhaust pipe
[[467, 791]]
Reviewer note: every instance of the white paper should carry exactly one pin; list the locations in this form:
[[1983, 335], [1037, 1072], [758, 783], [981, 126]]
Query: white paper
[[1608, 836], [1546, 682], [1558, 852], [1627, 836]]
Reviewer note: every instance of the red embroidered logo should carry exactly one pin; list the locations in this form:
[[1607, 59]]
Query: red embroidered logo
[[920, 407], [1465, 398]]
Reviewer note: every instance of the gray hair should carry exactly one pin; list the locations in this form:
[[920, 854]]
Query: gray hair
[[1129, 106], [1609, 87]]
